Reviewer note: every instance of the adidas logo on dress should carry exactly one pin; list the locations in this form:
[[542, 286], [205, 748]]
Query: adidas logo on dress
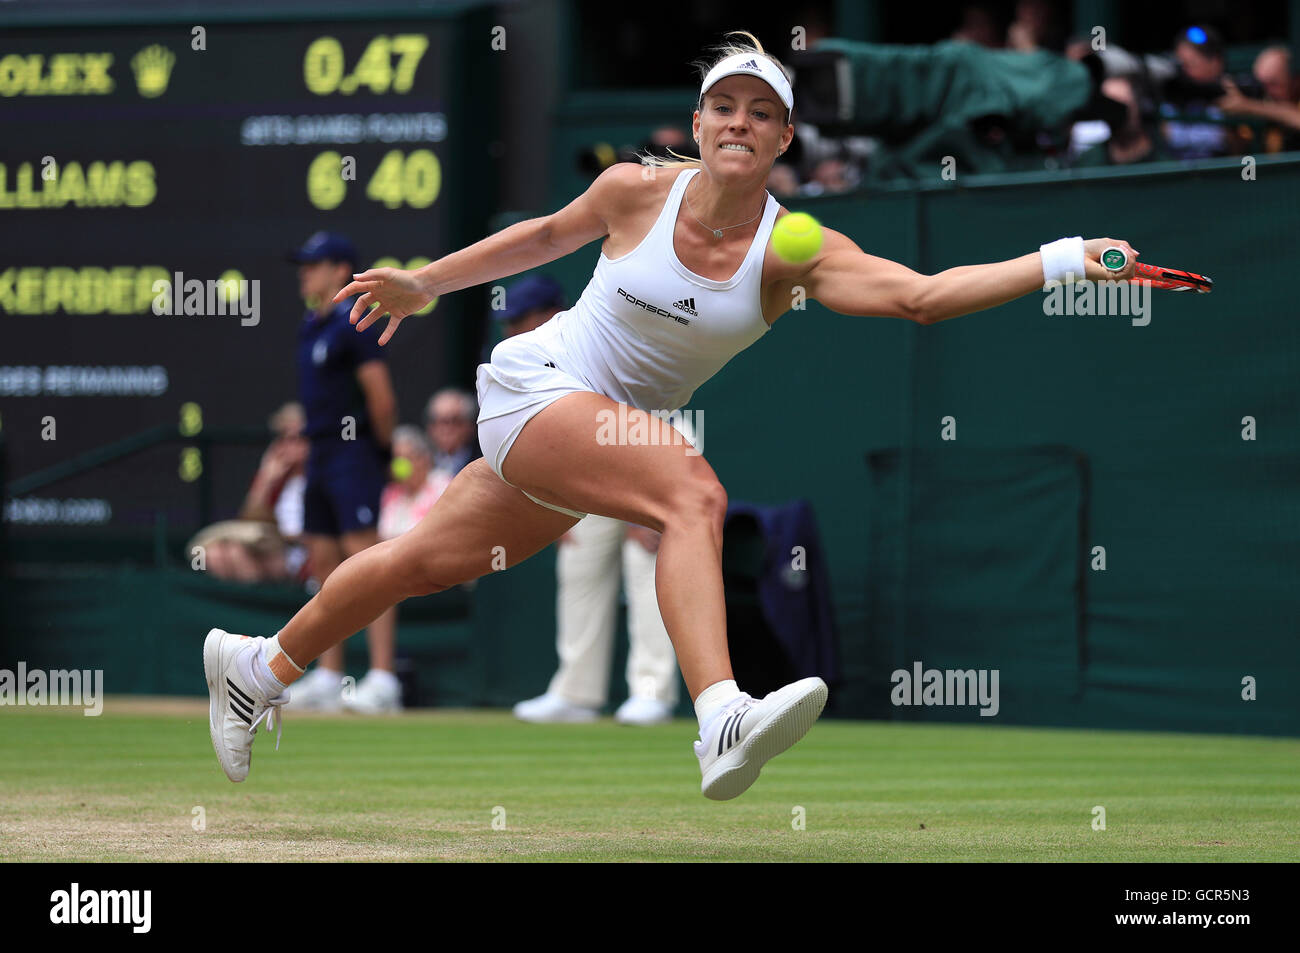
[[687, 305]]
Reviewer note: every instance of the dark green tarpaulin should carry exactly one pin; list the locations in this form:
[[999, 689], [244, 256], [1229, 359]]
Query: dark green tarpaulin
[[923, 100]]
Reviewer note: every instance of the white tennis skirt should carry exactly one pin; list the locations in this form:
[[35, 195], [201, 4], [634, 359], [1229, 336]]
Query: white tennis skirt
[[520, 382]]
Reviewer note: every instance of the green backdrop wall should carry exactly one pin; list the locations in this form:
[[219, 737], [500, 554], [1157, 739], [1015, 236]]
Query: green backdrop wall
[[1200, 527], [1071, 433]]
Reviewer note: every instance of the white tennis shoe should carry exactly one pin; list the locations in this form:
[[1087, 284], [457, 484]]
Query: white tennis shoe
[[236, 706], [553, 709], [319, 690], [641, 710], [749, 732], [378, 693]]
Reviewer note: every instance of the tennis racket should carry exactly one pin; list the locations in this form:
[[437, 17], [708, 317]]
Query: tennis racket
[[1168, 279]]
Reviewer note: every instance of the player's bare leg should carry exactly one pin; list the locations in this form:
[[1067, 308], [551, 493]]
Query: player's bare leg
[[321, 688], [478, 525], [379, 690], [667, 486], [661, 486], [482, 523], [326, 555]]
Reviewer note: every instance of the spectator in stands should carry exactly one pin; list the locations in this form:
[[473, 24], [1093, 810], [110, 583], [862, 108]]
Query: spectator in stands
[[1079, 47], [351, 410], [666, 138], [1193, 128], [1199, 51], [783, 181], [1274, 71], [830, 175], [1281, 102], [264, 544], [1036, 27], [592, 557], [416, 485], [810, 147], [450, 420], [979, 25], [665, 142], [529, 303], [1130, 143]]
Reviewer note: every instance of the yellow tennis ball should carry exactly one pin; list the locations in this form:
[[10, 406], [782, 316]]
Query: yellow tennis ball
[[401, 468], [797, 237]]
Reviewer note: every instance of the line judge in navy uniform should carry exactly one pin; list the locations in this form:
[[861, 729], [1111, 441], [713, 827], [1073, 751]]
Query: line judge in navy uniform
[[346, 390]]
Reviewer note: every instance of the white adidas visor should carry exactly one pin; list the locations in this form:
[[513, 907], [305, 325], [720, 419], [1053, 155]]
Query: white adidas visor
[[752, 64]]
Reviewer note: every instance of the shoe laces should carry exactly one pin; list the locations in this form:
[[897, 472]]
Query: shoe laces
[[740, 701], [271, 713]]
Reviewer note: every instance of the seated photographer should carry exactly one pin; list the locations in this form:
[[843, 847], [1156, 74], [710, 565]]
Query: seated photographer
[[1194, 126], [1280, 103], [264, 543], [1093, 143]]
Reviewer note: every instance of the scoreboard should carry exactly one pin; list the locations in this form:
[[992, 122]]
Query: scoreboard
[[141, 162]]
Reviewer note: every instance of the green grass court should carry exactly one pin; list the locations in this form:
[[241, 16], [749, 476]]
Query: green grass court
[[424, 786]]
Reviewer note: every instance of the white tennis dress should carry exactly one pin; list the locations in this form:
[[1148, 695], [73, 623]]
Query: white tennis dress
[[646, 331]]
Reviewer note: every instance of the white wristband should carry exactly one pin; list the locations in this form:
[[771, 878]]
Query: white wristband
[[1063, 261]]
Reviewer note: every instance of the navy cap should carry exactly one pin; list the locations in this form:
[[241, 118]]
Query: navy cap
[[325, 246], [528, 294]]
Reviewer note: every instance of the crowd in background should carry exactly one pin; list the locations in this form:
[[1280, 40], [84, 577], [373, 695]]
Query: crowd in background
[[1180, 104], [268, 546]]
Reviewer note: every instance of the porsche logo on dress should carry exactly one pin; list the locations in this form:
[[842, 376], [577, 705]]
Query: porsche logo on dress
[[652, 308]]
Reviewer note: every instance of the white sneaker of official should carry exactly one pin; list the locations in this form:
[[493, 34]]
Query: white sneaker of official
[[236, 706], [321, 689], [639, 710], [553, 709], [378, 693], [749, 732]]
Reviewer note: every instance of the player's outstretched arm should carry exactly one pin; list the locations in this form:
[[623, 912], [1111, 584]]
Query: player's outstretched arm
[[522, 246], [849, 281]]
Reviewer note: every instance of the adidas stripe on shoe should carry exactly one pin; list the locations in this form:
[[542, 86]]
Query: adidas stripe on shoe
[[235, 705]]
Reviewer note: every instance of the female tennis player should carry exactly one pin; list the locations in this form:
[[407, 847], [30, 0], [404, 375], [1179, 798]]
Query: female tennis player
[[686, 280]]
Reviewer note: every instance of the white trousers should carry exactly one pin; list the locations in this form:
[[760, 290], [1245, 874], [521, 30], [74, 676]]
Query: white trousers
[[588, 571]]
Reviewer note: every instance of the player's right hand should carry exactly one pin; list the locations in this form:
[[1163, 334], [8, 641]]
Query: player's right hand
[[1096, 271], [390, 291]]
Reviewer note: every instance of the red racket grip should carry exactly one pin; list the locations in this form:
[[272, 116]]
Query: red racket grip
[[1172, 279]]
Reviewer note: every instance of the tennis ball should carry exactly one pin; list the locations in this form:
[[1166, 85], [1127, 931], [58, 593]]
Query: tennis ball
[[797, 237], [401, 468]]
